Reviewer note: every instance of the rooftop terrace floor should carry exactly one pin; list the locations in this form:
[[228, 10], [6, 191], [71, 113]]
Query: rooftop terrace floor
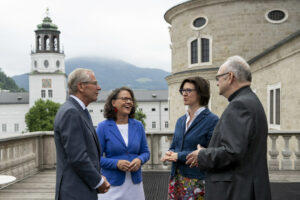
[[41, 186]]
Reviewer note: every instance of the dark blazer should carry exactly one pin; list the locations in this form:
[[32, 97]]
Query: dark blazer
[[78, 154], [199, 132], [115, 149], [236, 158]]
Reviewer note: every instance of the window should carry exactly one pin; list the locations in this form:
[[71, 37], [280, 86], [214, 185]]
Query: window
[[91, 110], [204, 50], [50, 93], [4, 128], [101, 110], [274, 106], [16, 127], [166, 109], [166, 124], [153, 109], [140, 109], [200, 51], [200, 21], [43, 94], [276, 16], [153, 124], [194, 52]]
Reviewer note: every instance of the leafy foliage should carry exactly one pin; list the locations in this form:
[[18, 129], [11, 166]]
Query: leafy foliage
[[139, 115], [7, 83], [41, 116]]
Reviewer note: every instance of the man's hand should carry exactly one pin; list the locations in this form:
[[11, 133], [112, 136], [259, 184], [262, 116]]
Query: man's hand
[[192, 158], [104, 187], [170, 156], [123, 165], [135, 165]]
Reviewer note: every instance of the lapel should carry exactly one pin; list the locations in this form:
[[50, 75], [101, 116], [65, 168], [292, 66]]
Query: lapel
[[88, 122], [118, 135], [131, 131], [115, 131], [199, 118]]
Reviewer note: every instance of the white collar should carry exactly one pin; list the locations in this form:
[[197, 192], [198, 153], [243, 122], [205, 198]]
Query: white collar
[[79, 101]]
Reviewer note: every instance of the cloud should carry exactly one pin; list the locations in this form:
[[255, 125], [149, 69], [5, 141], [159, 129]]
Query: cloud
[[132, 30]]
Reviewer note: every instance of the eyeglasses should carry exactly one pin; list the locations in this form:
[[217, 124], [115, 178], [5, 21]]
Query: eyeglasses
[[220, 75], [126, 99], [91, 82], [187, 91]]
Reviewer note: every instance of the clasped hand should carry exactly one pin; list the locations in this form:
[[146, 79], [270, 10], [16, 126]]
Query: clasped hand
[[104, 187], [170, 156], [192, 158], [126, 166]]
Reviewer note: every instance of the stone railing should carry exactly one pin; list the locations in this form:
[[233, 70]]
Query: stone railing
[[284, 150], [25, 154], [22, 155]]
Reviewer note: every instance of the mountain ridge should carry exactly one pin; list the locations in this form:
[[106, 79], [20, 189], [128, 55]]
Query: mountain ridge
[[112, 73]]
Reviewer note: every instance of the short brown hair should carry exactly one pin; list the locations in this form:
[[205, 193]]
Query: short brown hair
[[202, 87], [109, 110]]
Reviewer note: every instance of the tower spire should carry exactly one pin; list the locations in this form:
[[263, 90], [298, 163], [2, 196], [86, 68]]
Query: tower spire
[[47, 12]]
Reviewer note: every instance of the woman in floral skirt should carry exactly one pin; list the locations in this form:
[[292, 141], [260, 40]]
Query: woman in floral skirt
[[193, 128]]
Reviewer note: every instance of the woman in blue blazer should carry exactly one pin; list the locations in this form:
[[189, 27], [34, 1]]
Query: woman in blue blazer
[[193, 128], [124, 147]]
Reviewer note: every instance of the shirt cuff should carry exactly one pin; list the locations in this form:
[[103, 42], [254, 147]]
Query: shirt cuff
[[100, 183]]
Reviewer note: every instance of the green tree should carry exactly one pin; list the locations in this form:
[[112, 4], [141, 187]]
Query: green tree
[[41, 115], [139, 115], [7, 83]]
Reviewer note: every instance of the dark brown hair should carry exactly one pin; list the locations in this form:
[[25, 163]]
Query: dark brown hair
[[109, 110], [202, 87]]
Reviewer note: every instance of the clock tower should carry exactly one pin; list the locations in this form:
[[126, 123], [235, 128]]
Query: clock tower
[[47, 78]]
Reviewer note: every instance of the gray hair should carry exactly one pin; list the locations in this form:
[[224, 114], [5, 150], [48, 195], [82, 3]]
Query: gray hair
[[77, 76], [239, 67]]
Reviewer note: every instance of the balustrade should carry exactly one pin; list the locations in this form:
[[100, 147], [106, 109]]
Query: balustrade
[[24, 154]]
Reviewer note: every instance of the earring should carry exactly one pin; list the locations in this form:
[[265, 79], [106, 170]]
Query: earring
[[115, 109]]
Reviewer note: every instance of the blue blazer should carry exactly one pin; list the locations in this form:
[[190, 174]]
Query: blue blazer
[[199, 132], [114, 148]]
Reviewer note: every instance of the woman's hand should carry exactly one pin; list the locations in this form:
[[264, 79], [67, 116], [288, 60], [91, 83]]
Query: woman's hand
[[170, 156], [123, 165], [135, 165]]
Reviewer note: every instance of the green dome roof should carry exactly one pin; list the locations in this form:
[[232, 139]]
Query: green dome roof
[[47, 25]]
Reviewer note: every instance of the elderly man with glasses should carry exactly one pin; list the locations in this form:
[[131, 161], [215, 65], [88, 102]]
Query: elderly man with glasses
[[235, 160]]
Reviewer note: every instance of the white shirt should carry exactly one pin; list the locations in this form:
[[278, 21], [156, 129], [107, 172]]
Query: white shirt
[[198, 111], [123, 128]]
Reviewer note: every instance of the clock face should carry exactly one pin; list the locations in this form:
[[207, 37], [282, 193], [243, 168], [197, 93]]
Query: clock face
[[46, 63], [46, 83], [57, 63]]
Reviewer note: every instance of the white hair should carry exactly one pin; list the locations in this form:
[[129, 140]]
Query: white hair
[[77, 76], [239, 67]]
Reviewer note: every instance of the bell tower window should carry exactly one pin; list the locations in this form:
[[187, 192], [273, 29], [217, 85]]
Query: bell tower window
[[47, 43], [55, 44]]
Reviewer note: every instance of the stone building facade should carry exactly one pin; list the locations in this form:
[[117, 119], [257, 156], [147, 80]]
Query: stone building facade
[[205, 32]]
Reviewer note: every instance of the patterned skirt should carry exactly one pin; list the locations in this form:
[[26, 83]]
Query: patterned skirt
[[182, 188]]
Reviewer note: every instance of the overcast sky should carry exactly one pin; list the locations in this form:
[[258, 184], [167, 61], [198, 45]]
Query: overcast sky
[[131, 30]]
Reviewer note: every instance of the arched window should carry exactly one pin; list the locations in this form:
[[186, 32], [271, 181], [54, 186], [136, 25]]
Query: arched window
[[200, 51], [55, 44], [39, 43], [47, 42], [194, 51]]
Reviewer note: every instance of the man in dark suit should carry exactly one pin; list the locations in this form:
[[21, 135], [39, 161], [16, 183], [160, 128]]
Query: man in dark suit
[[236, 159], [78, 174]]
